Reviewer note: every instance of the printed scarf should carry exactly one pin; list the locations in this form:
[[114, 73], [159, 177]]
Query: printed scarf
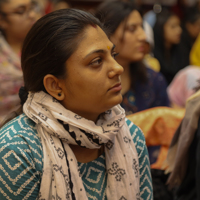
[[59, 127]]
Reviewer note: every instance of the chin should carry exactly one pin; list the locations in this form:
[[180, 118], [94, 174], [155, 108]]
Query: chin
[[138, 57], [116, 101]]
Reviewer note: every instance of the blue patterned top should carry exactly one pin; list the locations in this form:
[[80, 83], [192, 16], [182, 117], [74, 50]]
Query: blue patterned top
[[151, 94], [21, 163]]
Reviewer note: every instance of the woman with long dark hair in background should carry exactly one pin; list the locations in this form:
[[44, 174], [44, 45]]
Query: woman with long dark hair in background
[[167, 36], [142, 88]]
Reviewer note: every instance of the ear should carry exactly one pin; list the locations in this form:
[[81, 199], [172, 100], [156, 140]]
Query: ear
[[53, 87]]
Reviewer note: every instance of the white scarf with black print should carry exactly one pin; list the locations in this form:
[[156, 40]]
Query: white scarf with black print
[[59, 127]]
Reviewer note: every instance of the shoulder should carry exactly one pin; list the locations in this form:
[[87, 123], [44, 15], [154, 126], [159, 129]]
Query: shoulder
[[22, 159], [20, 125], [19, 135], [137, 136], [156, 79], [154, 75]]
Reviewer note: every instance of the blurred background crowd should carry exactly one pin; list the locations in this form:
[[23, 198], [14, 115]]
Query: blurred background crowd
[[158, 47]]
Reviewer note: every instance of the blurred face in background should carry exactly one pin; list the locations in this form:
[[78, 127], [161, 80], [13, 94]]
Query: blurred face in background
[[17, 17], [60, 5], [172, 30], [193, 28], [129, 38]]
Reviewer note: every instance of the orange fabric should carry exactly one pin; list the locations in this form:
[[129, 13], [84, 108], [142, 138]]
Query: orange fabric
[[158, 125]]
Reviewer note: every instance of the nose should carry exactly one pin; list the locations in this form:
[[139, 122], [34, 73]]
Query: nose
[[141, 34], [116, 70], [32, 14]]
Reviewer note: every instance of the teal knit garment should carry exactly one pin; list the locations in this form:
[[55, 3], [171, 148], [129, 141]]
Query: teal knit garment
[[21, 163]]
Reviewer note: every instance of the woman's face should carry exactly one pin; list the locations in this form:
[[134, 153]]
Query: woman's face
[[17, 18], [172, 30], [93, 83], [129, 38], [193, 28]]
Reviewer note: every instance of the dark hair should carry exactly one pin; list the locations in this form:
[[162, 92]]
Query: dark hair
[[112, 14], [2, 14], [161, 19], [2, 2], [192, 15], [48, 45], [50, 42]]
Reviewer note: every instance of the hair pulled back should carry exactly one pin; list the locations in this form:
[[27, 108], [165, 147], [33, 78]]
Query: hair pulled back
[[49, 44], [112, 13]]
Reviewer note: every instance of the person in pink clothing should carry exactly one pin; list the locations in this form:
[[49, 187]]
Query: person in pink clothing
[[183, 85], [16, 19]]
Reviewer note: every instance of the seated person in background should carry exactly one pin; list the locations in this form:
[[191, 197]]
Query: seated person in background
[[142, 88], [72, 140], [183, 161], [191, 29], [16, 19], [167, 35], [149, 59], [183, 86], [60, 4]]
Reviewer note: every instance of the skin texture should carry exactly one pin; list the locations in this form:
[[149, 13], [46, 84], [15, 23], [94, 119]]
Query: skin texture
[[172, 31], [17, 26], [130, 41], [91, 73], [88, 91]]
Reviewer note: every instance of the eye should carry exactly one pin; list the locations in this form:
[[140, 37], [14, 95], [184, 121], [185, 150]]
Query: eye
[[21, 11], [114, 55], [96, 62], [131, 28]]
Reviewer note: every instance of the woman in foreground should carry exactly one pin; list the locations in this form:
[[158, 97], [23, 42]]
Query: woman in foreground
[[72, 140]]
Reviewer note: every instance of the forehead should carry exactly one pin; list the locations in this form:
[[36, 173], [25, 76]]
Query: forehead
[[94, 38], [15, 3], [173, 20], [134, 18]]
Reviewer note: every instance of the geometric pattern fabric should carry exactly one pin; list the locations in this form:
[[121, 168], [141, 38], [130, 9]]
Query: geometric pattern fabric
[[21, 163]]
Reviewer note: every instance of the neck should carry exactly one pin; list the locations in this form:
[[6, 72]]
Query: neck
[[85, 155], [14, 43], [92, 117]]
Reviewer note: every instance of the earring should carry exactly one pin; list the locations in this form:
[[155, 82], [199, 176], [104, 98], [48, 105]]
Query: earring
[[59, 94]]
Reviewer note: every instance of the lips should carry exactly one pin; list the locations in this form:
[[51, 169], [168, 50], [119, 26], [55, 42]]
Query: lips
[[141, 48], [116, 87]]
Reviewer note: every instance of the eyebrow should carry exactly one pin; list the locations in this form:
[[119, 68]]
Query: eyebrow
[[22, 5], [134, 24], [99, 51]]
